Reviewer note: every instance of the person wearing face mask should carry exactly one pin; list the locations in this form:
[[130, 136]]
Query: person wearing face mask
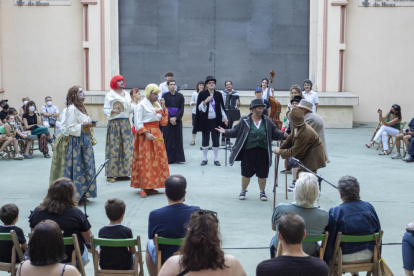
[[119, 138], [32, 121], [25, 100], [8, 135], [4, 110], [80, 159], [51, 111], [390, 126]]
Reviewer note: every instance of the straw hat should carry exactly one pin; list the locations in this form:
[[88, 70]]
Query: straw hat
[[295, 117], [305, 105]]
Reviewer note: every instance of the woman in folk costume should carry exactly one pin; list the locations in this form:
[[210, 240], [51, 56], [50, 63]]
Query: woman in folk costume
[[119, 138], [80, 160], [150, 162]]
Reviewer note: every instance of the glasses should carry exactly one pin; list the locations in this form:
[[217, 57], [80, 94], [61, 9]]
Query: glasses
[[203, 212]]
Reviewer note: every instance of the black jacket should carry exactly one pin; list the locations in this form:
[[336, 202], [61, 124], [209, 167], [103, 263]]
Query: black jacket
[[241, 132], [201, 122]]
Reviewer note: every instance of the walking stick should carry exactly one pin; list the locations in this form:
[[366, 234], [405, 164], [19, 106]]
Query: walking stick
[[286, 178], [276, 174]]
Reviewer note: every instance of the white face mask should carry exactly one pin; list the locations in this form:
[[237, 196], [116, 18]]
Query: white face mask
[[32, 108], [25, 102], [49, 103]]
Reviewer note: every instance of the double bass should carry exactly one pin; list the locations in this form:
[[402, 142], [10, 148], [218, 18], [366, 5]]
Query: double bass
[[276, 107]]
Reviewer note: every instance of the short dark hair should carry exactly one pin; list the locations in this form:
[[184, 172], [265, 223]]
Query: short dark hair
[[8, 213], [132, 91], [47, 97], [227, 82], [168, 82], [292, 228], [307, 81], [11, 111], [348, 186], [169, 74], [175, 186], [115, 208], [46, 244]]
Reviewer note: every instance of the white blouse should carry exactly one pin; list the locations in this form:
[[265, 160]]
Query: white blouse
[[110, 98], [144, 112], [73, 121]]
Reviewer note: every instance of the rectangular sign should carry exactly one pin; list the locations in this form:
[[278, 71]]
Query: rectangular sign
[[42, 2], [386, 3]]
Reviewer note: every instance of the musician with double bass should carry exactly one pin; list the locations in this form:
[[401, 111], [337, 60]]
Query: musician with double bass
[[253, 147]]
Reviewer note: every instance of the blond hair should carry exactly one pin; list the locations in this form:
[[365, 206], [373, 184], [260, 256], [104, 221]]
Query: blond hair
[[306, 189], [152, 88]]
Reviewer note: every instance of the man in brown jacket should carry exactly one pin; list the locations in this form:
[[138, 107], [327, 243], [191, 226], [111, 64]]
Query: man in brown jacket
[[303, 143]]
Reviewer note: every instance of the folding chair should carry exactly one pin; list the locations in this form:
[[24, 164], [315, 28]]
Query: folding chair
[[336, 264], [12, 267], [391, 139], [323, 238], [6, 150], [164, 241], [76, 254], [117, 243]]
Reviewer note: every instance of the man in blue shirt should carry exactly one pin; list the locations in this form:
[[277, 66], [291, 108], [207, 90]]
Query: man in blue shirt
[[168, 222]]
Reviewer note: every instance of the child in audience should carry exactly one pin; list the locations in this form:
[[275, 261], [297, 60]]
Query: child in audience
[[25, 136], [9, 215], [8, 135], [116, 258]]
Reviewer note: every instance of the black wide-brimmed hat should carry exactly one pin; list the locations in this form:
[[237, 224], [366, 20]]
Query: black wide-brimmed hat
[[257, 103], [296, 99], [210, 78]]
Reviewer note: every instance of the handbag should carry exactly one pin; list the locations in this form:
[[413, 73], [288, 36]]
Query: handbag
[[382, 268], [52, 121]]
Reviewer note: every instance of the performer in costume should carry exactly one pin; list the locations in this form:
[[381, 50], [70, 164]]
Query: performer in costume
[[136, 97], [210, 115], [150, 162], [119, 139], [304, 144], [255, 133], [80, 160], [173, 131]]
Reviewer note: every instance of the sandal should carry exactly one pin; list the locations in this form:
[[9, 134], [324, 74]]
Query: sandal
[[192, 143], [46, 155], [384, 152], [369, 145]]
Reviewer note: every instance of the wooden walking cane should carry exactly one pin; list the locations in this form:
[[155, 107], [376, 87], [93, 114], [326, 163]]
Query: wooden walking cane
[[286, 192], [276, 174]]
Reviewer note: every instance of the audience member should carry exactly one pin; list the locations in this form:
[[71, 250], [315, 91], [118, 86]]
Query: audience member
[[25, 100], [310, 95], [168, 222], [163, 86], [406, 137], [4, 109], [352, 217], [294, 261], [8, 136], [408, 250], [50, 115], [316, 219], [201, 252], [259, 95], [32, 121], [9, 215], [410, 153], [60, 206], [46, 252], [136, 97], [193, 104], [390, 126], [116, 258], [22, 135]]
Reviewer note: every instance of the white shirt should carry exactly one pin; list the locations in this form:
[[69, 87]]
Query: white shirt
[[266, 93], [211, 112], [258, 124], [73, 121], [164, 89], [194, 98], [144, 112], [49, 109], [312, 97], [110, 98]]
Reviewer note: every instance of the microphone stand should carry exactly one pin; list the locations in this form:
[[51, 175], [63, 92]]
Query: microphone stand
[[83, 197], [320, 178]]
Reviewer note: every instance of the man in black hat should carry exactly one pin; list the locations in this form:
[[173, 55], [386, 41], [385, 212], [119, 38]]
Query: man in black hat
[[255, 133], [210, 114], [5, 108]]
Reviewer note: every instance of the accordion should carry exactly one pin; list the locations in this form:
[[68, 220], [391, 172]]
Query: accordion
[[232, 102]]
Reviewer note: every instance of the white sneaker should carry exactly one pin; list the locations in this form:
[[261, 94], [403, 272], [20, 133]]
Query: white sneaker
[[18, 157], [396, 156]]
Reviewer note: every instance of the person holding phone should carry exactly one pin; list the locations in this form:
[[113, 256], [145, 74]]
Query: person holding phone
[[80, 160]]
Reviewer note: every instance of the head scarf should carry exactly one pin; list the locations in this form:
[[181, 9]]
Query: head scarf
[[114, 81], [152, 88]]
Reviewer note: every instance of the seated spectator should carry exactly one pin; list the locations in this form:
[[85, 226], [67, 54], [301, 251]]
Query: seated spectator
[[8, 136], [168, 222], [60, 206], [4, 109], [410, 153], [316, 219], [50, 111], [201, 251], [46, 252], [9, 215], [291, 231], [25, 136], [408, 250], [353, 217], [32, 121], [116, 258], [406, 137], [259, 95], [390, 126], [25, 100]]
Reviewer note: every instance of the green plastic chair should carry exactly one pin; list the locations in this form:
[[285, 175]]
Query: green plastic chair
[[336, 264], [16, 250], [76, 254], [323, 238], [117, 243], [163, 241]]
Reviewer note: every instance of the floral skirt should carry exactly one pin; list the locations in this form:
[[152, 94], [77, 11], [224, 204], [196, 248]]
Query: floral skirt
[[57, 170], [119, 148], [80, 164]]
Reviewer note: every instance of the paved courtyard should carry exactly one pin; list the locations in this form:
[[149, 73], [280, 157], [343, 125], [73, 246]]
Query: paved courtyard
[[245, 225]]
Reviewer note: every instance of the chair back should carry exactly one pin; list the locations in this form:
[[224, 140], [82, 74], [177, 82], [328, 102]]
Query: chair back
[[118, 243], [16, 250], [323, 238], [76, 253], [164, 241]]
